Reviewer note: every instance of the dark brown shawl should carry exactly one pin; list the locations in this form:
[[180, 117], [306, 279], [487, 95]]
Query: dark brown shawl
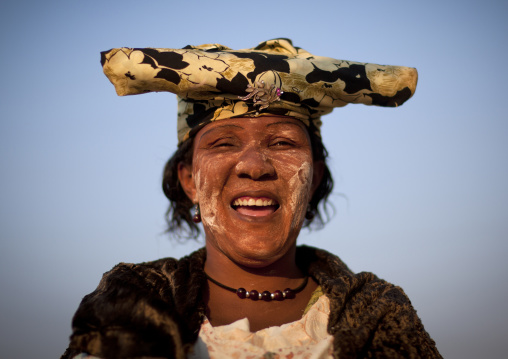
[[155, 310]]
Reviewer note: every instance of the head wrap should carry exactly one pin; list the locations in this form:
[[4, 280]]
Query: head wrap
[[213, 82]]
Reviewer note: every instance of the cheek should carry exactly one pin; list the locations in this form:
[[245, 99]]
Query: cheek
[[298, 172], [299, 185], [208, 188]]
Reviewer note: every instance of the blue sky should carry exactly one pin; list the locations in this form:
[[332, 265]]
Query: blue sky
[[420, 192]]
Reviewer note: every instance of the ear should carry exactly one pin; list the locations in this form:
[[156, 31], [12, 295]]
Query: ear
[[187, 181], [317, 175]]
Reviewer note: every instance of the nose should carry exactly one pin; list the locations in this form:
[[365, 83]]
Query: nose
[[255, 165]]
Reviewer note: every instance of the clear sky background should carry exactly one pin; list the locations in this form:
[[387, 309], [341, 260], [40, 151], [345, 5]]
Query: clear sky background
[[421, 191]]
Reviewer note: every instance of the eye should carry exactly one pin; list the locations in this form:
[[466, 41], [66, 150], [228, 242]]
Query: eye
[[222, 142], [281, 143]]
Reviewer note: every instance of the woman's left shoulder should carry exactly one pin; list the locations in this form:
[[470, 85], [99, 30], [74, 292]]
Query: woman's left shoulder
[[367, 314], [336, 278]]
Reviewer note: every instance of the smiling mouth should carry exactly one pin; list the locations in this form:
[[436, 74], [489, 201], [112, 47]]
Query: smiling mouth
[[255, 206]]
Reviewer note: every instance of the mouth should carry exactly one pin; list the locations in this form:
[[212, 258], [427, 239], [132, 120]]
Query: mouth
[[255, 206]]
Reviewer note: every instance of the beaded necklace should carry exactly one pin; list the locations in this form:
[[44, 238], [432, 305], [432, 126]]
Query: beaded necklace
[[242, 293]]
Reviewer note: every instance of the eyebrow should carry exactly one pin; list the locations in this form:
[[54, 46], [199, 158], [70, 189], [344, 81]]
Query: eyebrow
[[284, 122], [220, 127]]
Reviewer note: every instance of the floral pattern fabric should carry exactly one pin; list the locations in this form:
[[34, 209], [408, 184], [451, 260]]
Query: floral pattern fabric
[[306, 338], [213, 82]]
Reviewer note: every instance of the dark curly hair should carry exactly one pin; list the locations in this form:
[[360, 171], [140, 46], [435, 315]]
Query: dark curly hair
[[179, 217]]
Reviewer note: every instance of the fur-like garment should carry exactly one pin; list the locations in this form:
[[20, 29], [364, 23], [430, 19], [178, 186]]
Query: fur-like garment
[[155, 310]]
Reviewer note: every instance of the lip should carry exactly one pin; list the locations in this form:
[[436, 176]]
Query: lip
[[255, 194], [258, 201]]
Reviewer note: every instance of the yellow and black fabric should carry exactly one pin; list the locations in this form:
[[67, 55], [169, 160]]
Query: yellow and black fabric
[[214, 82]]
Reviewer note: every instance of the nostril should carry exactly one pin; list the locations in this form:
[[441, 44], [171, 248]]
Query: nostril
[[255, 165], [262, 177]]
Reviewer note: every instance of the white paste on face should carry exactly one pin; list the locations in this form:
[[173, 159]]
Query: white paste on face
[[300, 185], [209, 195], [214, 176]]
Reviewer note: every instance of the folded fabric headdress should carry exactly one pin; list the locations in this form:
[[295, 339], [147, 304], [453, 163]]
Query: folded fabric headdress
[[214, 82]]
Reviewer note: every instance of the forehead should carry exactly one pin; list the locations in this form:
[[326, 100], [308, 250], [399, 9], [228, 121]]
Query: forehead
[[257, 125]]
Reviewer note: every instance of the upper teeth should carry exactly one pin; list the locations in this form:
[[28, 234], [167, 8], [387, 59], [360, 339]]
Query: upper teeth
[[253, 202]]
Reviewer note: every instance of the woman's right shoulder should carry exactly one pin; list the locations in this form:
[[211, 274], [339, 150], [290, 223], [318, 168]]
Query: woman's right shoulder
[[154, 271], [137, 305]]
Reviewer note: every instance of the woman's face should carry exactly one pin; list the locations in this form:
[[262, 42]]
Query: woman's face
[[253, 179]]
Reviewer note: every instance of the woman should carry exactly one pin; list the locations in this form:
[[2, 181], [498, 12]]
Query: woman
[[252, 168]]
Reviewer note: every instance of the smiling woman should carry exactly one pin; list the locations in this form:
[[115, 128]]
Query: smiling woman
[[180, 205], [250, 160], [252, 168]]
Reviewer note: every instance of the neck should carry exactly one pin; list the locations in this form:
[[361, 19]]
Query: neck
[[224, 307], [277, 275]]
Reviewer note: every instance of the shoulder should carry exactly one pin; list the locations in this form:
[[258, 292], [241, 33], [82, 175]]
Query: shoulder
[[160, 267], [367, 314], [154, 275], [139, 305], [160, 280], [338, 280]]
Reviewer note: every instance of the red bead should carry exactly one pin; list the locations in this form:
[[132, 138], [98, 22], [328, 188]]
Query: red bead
[[277, 295], [266, 295], [254, 294], [196, 218], [289, 293], [241, 293]]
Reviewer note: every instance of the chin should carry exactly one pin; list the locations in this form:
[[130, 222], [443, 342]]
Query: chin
[[255, 261], [256, 253], [253, 242]]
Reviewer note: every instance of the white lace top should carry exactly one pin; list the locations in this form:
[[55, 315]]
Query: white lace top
[[306, 338]]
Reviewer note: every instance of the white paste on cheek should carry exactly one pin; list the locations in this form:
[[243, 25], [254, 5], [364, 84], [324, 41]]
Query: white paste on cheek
[[299, 186], [208, 192], [197, 179]]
